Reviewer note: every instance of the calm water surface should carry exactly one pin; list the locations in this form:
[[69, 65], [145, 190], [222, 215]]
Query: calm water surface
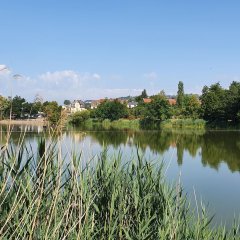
[[208, 161]]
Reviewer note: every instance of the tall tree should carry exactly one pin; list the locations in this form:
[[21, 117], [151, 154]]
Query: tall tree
[[180, 94], [143, 95], [214, 103]]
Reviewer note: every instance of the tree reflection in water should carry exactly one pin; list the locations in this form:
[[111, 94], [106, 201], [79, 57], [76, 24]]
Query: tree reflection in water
[[216, 147]]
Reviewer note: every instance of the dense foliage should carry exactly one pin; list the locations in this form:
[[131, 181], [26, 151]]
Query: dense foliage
[[19, 108], [191, 107], [67, 102], [112, 110], [79, 117], [221, 105], [52, 111], [180, 94], [4, 106], [158, 109]]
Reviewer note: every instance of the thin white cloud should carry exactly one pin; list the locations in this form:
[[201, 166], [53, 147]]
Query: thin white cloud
[[60, 77], [4, 70], [151, 76], [67, 79], [52, 85], [60, 85], [96, 76]]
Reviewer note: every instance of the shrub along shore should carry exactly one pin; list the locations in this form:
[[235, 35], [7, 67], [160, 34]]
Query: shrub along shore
[[48, 195]]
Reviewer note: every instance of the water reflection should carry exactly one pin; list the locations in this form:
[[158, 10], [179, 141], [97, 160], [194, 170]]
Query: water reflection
[[214, 147]]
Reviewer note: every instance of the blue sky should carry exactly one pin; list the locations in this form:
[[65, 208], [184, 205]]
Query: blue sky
[[94, 49]]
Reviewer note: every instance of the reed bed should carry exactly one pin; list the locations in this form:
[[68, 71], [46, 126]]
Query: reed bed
[[49, 195]]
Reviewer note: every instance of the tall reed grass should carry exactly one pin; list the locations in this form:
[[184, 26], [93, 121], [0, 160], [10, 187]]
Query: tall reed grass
[[49, 195]]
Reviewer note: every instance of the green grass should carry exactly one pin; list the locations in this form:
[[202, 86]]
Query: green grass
[[184, 123], [121, 124], [48, 195], [137, 124], [93, 124]]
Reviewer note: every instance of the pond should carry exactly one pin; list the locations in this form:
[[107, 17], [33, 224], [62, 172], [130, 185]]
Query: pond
[[208, 162]]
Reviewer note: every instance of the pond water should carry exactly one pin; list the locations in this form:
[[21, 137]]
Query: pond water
[[208, 161]]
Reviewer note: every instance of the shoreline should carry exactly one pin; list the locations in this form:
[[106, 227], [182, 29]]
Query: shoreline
[[35, 122]]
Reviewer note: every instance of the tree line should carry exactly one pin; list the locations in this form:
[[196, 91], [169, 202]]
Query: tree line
[[221, 105], [158, 109], [18, 108], [216, 105]]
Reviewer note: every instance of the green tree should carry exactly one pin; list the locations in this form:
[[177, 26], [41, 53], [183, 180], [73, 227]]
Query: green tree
[[4, 105], [52, 111], [158, 109], [139, 110], [79, 117], [112, 110], [143, 95], [67, 102], [192, 107], [233, 98], [214, 103], [180, 95], [37, 107], [16, 107]]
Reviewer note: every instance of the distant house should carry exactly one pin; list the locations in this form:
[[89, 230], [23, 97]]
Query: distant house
[[96, 103], [172, 101], [147, 100], [88, 103], [40, 115], [132, 104], [77, 106]]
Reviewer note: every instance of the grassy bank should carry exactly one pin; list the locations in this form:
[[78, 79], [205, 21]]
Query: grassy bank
[[137, 124], [122, 124], [48, 195], [183, 124]]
